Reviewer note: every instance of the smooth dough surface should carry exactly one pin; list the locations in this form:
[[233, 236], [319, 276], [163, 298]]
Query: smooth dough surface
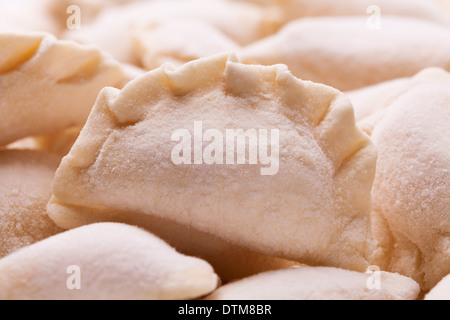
[[113, 262], [345, 54], [441, 291], [294, 9], [48, 85], [26, 16], [315, 206], [306, 283], [373, 100], [242, 22], [230, 261], [411, 193], [25, 188], [178, 42]]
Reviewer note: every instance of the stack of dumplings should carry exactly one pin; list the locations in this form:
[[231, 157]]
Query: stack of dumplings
[[225, 150]]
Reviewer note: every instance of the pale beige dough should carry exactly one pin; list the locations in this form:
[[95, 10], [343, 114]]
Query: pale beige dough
[[113, 262], [346, 54], [445, 4], [306, 283], [58, 143], [48, 85], [371, 103], [441, 291], [314, 209], [230, 261], [26, 16], [423, 9], [178, 42], [25, 188], [411, 192], [89, 9], [240, 21]]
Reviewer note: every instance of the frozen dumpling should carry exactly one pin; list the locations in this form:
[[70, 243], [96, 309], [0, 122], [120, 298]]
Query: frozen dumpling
[[25, 188], [249, 154], [242, 22], [411, 193], [306, 283], [178, 42], [48, 85], [346, 54], [104, 262]]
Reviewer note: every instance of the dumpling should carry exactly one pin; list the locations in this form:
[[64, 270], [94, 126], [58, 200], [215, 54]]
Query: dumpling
[[89, 9], [278, 164], [241, 22], [346, 54], [178, 42], [26, 16], [48, 85], [25, 188], [371, 100], [294, 9], [104, 262], [230, 261], [58, 143], [411, 193], [441, 291], [306, 283]]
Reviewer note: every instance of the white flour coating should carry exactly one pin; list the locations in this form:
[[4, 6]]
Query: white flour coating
[[315, 210], [411, 191], [25, 188], [306, 283], [48, 85], [346, 54], [114, 261]]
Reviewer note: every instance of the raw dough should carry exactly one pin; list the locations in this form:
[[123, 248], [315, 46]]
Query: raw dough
[[111, 262], [411, 192], [178, 42], [25, 188], [48, 85], [306, 283], [346, 54], [314, 208], [240, 21]]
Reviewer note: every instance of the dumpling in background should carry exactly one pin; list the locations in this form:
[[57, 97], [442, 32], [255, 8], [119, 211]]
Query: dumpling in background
[[178, 42], [240, 21], [230, 261], [48, 85], [106, 262], [344, 53], [25, 188], [306, 283], [421, 9], [411, 193]]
